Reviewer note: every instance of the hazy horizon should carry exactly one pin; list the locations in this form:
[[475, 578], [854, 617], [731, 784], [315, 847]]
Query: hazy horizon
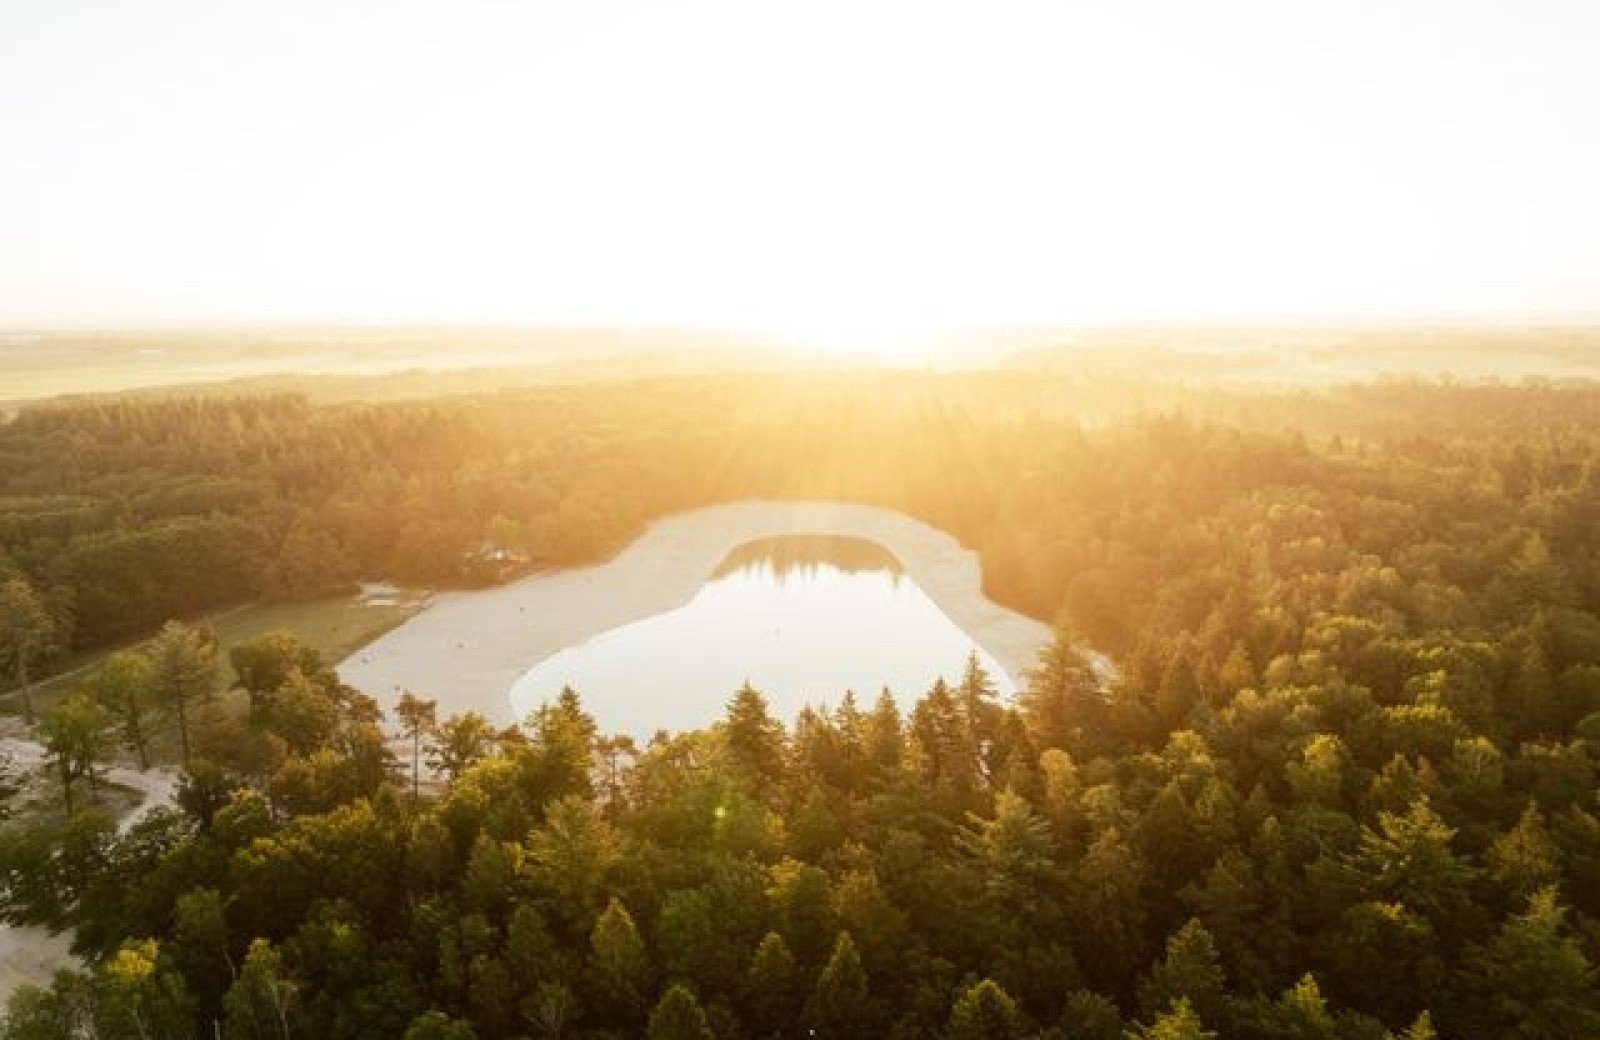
[[860, 177]]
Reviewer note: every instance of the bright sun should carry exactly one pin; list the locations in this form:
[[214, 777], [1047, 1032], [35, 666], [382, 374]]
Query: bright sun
[[857, 177]]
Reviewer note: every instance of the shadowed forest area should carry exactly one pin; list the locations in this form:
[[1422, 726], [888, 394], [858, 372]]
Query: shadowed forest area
[[1343, 784]]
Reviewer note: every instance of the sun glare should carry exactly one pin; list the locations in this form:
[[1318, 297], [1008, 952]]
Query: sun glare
[[854, 177]]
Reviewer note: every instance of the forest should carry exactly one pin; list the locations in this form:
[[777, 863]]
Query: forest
[[1342, 786]]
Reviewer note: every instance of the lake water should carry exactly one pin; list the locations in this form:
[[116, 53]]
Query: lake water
[[804, 598], [801, 618]]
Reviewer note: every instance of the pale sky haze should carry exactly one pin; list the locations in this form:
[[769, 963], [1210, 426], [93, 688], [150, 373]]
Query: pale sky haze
[[840, 173]]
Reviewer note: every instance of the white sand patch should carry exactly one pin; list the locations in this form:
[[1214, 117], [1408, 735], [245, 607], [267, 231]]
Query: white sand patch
[[32, 955], [467, 649]]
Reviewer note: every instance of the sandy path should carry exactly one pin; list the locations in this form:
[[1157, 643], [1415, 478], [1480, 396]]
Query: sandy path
[[467, 649], [32, 955]]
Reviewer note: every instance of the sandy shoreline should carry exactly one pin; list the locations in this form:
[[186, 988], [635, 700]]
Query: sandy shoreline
[[467, 649]]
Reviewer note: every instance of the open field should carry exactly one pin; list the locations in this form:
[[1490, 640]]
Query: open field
[[336, 627], [359, 363]]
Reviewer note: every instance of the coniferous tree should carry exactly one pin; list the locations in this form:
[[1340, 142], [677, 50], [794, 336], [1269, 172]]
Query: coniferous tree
[[1179, 1023], [754, 738], [885, 735], [1191, 970], [1526, 858], [770, 986], [139, 999], [986, 1012], [418, 719], [459, 743], [75, 742], [1061, 700], [838, 1008], [257, 1005], [183, 662], [28, 630], [619, 965], [678, 1016], [123, 686], [1531, 981]]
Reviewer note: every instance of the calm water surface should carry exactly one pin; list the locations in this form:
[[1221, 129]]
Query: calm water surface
[[801, 618]]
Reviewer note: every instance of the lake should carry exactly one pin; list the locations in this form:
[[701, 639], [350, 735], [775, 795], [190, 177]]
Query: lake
[[804, 599], [802, 618]]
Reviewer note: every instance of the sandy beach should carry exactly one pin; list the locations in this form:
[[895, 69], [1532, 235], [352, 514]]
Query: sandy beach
[[467, 649]]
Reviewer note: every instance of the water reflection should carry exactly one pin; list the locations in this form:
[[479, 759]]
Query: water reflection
[[805, 554], [802, 618]]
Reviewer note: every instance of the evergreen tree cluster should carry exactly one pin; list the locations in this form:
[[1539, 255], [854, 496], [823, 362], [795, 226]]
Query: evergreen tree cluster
[[1339, 784]]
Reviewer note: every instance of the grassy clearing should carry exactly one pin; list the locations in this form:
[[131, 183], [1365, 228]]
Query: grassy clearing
[[336, 627]]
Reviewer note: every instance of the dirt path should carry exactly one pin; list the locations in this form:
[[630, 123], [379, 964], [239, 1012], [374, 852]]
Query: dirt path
[[31, 955]]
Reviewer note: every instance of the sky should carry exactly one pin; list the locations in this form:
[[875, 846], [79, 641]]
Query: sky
[[845, 174]]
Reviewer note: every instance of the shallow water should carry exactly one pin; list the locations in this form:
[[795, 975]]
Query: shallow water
[[801, 618]]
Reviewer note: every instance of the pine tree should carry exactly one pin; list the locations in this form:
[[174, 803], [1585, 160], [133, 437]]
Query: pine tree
[[28, 630], [1238, 672], [257, 1004], [139, 999], [1532, 981], [1015, 850], [986, 1012], [618, 963], [1108, 905], [486, 885], [948, 752], [1062, 702], [815, 830], [984, 716], [801, 897], [75, 742], [850, 723], [1302, 1012], [679, 1016], [418, 718], [1180, 1023], [1421, 1029], [567, 737], [1409, 859], [459, 742], [838, 1009], [183, 664], [199, 949], [769, 988], [755, 740], [122, 685], [885, 735], [1179, 691], [1086, 1015], [1525, 858], [1191, 970]]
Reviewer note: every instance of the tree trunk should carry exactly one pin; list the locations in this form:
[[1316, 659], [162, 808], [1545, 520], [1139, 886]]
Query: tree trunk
[[25, 681], [183, 729], [66, 783], [140, 744]]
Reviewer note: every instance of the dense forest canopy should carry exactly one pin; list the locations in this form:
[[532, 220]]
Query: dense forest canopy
[[129, 512], [1343, 785]]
